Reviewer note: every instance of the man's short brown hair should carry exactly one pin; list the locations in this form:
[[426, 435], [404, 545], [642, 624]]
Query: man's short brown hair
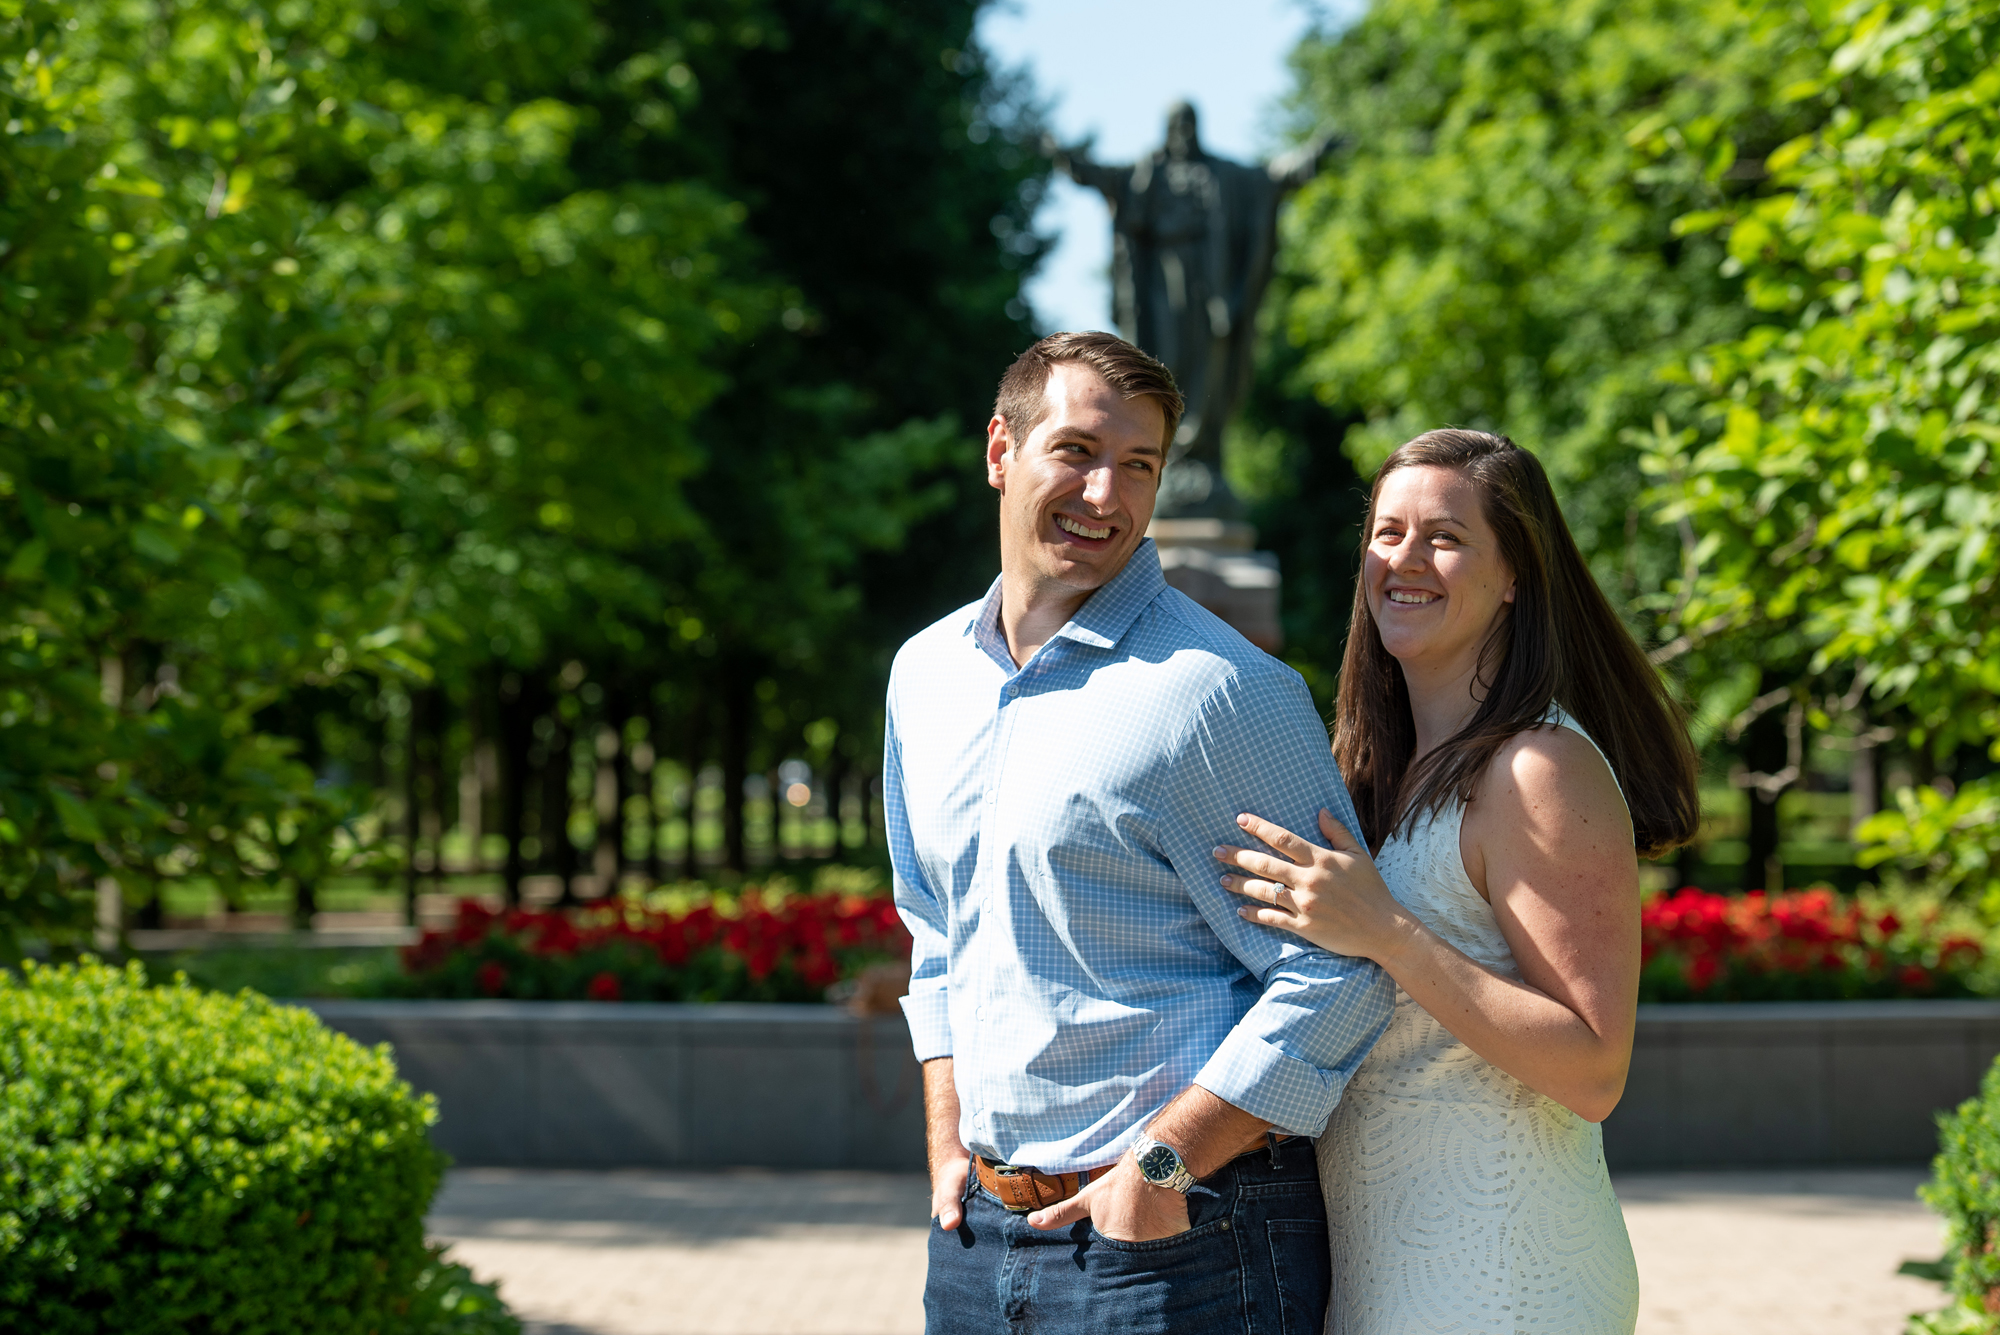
[[1022, 401]]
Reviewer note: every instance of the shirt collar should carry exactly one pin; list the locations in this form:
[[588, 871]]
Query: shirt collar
[[1102, 620]]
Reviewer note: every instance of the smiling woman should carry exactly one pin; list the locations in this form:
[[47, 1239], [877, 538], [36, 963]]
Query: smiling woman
[[1559, 640], [1510, 750]]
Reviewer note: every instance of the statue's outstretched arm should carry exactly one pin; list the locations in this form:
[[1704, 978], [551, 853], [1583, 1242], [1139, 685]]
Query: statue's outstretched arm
[[1076, 164], [1291, 170]]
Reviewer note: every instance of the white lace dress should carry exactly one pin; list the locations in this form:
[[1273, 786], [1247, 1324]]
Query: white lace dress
[[1457, 1198]]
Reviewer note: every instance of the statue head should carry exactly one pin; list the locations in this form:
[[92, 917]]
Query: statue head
[[1183, 133]]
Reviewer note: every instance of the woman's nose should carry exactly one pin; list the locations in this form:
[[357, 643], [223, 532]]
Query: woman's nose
[[1405, 555]]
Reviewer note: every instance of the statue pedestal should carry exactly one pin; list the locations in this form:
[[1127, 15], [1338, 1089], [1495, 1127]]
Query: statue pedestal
[[1212, 562]]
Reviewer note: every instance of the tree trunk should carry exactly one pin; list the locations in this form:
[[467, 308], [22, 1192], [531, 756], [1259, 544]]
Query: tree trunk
[[416, 725], [835, 787], [1764, 753], [649, 787], [611, 831], [558, 852], [695, 753], [431, 795], [516, 735], [735, 768]]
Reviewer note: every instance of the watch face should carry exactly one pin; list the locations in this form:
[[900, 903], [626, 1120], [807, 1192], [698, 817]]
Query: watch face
[[1158, 1163]]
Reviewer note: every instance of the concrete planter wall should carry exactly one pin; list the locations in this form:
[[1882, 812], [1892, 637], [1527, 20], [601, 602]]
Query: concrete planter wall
[[1816, 1082], [575, 1084]]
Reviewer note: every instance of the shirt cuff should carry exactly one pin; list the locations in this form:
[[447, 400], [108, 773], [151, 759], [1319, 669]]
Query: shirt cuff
[[1294, 1096], [929, 1014]]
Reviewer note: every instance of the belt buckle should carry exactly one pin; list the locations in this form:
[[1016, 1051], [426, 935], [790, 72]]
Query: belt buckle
[[1007, 1170]]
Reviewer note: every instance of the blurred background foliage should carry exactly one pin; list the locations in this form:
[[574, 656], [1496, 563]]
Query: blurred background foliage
[[1729, 269], [399, 398], [508, 443]]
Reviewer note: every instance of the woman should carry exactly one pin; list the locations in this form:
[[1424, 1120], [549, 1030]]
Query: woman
[[1510, 750]]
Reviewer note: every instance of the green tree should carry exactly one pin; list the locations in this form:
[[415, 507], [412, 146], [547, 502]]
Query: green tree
[[1496, 249], [380, 348], [1842, 487]]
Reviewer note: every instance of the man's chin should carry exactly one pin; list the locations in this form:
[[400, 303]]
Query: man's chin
[[1082, 569]]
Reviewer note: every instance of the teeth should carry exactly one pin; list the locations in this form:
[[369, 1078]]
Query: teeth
[[1068, 525], [1404, 596]]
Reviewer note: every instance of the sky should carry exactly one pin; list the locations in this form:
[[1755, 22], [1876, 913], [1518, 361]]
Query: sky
[[1111, 68]]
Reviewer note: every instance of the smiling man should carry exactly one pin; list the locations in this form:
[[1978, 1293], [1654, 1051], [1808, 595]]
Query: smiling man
[[1114, 1060]]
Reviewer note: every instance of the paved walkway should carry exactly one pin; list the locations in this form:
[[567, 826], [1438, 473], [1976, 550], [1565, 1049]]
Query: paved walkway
[[752, 1253]]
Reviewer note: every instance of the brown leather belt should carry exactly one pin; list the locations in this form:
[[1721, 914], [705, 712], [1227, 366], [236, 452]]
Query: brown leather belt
[[1025, 1189]]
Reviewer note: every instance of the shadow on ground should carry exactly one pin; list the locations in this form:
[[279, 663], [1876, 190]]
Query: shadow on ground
[[642, 1209]]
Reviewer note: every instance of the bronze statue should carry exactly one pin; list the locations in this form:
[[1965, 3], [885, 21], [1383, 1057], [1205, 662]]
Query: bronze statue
[[1192, 238]]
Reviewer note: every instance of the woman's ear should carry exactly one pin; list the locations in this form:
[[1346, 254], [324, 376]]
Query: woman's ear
[[1508, 596]]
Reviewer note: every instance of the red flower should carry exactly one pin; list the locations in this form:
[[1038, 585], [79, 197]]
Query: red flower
[[604, 987], [492, 977]]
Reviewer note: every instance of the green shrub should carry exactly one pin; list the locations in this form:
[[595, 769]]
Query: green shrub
[[1965, 1189], [174, 1160]]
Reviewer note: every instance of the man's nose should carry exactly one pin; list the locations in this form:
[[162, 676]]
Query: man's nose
[[1100, 488]]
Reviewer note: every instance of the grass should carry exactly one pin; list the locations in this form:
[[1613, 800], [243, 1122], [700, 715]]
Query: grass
[[286, 972]]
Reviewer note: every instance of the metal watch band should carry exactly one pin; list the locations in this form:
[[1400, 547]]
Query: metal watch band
[[1160, 1164]]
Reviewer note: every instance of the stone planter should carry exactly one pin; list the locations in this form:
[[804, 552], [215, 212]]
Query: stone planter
[[1812, 1082], [583, 1085], [576, 1084]]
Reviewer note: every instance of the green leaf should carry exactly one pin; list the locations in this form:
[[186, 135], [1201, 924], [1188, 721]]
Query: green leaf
[[75, 816]]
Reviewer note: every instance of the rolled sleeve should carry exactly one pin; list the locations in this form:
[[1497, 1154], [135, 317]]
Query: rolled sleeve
[[927, 1007], [1258, 746]]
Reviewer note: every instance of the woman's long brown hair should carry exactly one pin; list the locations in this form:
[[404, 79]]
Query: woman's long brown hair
[[1559, 642]]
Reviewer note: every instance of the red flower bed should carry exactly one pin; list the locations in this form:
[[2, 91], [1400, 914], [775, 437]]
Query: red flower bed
[[1806, 945], [758, 949]]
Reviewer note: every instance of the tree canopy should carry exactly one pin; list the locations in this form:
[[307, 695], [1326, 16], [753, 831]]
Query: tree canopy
[[1839, 486], [386, 344]]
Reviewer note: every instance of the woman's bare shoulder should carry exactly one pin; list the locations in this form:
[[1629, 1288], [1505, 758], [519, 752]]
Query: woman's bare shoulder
[[1550, 778]]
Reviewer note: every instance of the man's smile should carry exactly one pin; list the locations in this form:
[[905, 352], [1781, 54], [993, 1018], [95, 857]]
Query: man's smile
[[1078, 528]]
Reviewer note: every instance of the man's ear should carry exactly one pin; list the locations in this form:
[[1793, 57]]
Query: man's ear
[[998, 445]]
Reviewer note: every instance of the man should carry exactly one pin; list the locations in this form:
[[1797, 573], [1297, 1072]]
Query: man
[[1113, 1058]]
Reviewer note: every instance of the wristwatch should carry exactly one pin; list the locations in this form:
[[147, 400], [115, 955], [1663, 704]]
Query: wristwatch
[[1160, 1164]]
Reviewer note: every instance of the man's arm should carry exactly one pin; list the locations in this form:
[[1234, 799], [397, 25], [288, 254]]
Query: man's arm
[[1258, 746], [1122, 1204], [950, 1161], [927, 1006]]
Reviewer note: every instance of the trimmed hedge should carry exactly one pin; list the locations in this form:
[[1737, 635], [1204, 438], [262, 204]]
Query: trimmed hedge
[[174, 1160], [1965, 1189]]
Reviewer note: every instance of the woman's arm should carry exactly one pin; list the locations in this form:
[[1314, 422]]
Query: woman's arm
[[1548, 841]]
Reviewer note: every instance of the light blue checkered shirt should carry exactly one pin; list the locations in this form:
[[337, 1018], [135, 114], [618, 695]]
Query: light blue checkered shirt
[[1052, 830]]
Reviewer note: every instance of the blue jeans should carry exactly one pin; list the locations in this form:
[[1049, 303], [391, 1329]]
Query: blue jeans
[[1255, 1261]]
